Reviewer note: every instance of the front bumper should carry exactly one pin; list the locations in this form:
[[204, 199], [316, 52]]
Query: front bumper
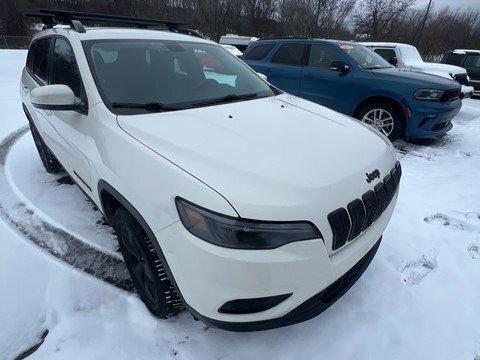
[[431, 119], [208, 276]]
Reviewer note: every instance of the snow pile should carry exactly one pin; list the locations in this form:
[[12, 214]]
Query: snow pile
[[419, 298]]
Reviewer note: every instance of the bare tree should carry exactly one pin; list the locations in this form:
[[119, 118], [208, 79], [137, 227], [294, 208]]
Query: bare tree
[[378, 19]]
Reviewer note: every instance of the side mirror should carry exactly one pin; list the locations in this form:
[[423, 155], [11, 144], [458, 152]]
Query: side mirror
[[340, 66], [263, 76], [54, 97], [393, 61]]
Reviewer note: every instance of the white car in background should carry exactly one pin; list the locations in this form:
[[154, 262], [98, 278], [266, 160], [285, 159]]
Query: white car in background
[[240, 42], [232, 50], [407, 57]]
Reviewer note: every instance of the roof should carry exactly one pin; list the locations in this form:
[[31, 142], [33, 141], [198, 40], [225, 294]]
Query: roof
[[310, 39], [463, 51], [99, 33], [385, 44]]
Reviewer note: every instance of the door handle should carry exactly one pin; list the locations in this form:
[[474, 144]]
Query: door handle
[[268, 69], [24, 88], [48, 112], [308, 75]]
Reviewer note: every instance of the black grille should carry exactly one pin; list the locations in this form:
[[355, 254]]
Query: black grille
[[357, 217], [340, 223], [450, 95], [347, 225], [462, 79]]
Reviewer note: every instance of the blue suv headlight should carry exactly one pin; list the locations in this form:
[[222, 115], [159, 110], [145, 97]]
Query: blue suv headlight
[[427, 94]]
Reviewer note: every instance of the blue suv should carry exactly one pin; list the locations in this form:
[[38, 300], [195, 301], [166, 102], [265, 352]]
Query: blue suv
[[354, 80]]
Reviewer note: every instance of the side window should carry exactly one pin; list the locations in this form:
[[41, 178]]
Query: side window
[[259, 52], [453, 59], [290, 54], [472, 61], [387, 54], [64, 67], [31, 51], [40, 59], [322, 56]]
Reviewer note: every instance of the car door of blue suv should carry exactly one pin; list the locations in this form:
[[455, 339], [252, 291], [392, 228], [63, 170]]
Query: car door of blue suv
[[327, 78]]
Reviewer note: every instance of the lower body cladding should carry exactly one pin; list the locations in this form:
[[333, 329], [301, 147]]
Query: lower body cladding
[[431, 119], [246, 290]]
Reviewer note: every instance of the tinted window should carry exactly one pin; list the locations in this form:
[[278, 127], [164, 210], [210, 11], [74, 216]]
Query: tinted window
[[64, 67], [365, 57], [322, 56], [290, 54], [472, 61], [259, 52], [40, 59], [172, 74], [31, 51], [453, 59], [387, 54]]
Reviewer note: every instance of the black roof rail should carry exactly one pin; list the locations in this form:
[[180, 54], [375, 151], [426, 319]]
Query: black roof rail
[[75, 19]]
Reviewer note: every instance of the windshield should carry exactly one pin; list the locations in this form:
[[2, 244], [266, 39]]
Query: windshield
[[365, 57], [139, 76]]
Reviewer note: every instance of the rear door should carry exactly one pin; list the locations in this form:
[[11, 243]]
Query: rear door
[[472, 64], [322, 85], [285, 69], [70, 126]]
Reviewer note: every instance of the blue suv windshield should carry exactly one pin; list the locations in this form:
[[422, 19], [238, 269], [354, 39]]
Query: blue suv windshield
[[365, 57]]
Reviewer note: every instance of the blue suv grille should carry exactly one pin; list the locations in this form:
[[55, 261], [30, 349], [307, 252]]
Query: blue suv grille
[[347, 224]]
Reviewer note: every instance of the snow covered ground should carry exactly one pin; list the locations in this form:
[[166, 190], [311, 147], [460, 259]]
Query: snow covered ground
[[420, 297]]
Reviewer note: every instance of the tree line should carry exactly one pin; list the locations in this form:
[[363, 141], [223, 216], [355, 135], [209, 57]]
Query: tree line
[[366, 20]]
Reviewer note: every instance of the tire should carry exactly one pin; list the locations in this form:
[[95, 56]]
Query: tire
[[145, 267], [49, 160], [385, 111]]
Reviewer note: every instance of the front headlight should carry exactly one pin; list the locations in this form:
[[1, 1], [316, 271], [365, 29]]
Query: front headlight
[[427, 94], [238, 233]]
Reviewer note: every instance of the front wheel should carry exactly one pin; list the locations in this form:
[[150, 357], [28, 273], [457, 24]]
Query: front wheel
[[145, 267], [384, 118]]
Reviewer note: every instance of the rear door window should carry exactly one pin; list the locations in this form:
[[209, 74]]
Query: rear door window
[[322, 56], [290, 54], [41, 58], [64, 67], [259, 52]]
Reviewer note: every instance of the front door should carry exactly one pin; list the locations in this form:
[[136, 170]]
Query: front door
[[322, 85], [70, 126]]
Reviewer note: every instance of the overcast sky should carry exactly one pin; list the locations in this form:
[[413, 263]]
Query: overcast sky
[[453, 4]]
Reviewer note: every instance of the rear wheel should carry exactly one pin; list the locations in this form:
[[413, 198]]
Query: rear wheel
[[145, 267], [384, 118], [49, 161]]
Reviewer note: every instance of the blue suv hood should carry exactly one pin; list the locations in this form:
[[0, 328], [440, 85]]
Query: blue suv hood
[[415, 78]]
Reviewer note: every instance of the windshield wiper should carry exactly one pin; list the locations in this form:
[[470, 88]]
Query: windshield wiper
[[226, 99], [151, 107]]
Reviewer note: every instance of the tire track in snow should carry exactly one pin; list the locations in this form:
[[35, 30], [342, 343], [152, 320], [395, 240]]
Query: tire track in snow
[[62, 245]]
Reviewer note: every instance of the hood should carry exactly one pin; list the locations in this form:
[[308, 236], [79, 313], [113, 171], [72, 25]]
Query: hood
[[415, 78], [269, 155], [438, 68]]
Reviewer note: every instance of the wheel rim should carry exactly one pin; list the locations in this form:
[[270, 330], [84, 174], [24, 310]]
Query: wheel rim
[[381, 120], [140, 269]]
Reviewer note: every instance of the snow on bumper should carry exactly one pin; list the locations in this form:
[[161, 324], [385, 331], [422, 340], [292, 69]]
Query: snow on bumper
[[208, 276]]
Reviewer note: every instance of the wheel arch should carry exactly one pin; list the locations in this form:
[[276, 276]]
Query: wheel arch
[[396, 104], [110, 200]]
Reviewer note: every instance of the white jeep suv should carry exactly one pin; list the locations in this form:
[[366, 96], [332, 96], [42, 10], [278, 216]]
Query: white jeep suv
[[250, 207]]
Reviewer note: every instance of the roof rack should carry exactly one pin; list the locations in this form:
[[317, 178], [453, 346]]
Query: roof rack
[[75, 19]]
